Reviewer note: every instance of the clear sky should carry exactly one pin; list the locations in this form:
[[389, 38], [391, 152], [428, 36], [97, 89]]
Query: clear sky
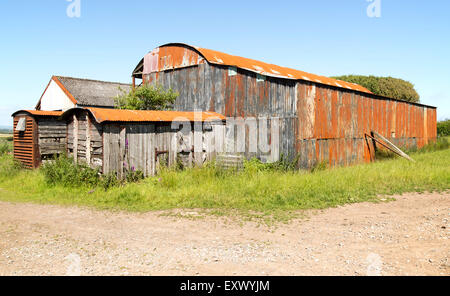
[[411, 40]]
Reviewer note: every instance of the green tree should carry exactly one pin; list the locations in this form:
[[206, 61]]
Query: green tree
[[385, 86], [146, 97]]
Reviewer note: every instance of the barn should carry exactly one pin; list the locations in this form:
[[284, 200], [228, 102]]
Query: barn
[[318, 118], [271, 112], [127, 140], [38, 135]]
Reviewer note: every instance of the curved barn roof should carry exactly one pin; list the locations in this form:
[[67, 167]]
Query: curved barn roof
[[39, 113], [176, 55]]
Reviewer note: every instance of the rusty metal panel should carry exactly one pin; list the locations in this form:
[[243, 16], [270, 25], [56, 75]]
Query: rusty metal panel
[[115, 115]]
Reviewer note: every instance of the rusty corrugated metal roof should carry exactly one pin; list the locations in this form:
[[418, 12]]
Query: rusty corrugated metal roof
[[116, 115], [168, 57], [40, 113], [216, 57]]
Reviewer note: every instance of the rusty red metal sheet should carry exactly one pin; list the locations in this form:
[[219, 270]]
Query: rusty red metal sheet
[[115, 115], [40, 113], [177, 55], [342, 119]]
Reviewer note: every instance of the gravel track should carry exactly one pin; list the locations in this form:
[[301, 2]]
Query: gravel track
[[409, 236]]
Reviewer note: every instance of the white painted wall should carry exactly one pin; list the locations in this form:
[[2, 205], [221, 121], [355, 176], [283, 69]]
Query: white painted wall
[[55, 99]]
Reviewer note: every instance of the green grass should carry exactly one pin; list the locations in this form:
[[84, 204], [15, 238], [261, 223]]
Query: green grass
[[252, 192]]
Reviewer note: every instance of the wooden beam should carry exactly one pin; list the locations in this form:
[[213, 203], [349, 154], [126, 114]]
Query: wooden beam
[[391, 146], [75, 138]]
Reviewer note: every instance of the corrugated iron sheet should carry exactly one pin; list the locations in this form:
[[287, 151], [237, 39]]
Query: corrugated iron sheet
[[174, 56], [40, 113], [115, 115], [340, 121]]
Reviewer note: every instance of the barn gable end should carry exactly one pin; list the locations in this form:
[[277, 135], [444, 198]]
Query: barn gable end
[[55, 97]]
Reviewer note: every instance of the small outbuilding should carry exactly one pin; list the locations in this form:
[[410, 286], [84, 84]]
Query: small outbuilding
[[63, 93], [127, 140], [38, 135]]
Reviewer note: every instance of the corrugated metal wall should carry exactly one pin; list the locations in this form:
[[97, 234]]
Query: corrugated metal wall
[[318, 122], [333, 124], [211, 88]]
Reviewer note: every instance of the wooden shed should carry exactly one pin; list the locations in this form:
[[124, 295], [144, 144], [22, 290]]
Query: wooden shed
[[38, 135], [127, 140]]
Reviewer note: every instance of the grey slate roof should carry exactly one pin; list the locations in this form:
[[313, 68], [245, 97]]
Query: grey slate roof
[[93, 92]]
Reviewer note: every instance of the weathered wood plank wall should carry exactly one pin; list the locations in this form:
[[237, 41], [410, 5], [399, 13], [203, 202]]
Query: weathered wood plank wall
[[85, 140], [52, 137], [148, 146]]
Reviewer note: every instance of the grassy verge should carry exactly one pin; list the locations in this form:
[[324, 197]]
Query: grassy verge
[[254, 192]]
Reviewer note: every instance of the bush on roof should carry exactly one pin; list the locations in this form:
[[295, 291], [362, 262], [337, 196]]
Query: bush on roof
[[146, 97], [385, 86]]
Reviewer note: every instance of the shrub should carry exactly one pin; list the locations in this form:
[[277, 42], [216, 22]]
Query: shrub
[[385, 86], [443, 128], [146, 97], [63, 171], [134, 176], [109, 181]]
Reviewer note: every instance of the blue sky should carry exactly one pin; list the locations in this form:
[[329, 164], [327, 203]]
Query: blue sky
[[411, 40]]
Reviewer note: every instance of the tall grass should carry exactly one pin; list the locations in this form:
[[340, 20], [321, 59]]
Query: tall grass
[[254, 189]]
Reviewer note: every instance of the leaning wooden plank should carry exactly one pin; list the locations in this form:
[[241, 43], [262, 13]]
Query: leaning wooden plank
[[393, 147]]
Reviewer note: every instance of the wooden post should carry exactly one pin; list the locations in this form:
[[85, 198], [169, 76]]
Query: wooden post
[[88, 140], [75, 138], [36, 152], [122, 151], [425, 125]]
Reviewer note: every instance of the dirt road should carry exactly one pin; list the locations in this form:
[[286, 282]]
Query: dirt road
[[409, 236]]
